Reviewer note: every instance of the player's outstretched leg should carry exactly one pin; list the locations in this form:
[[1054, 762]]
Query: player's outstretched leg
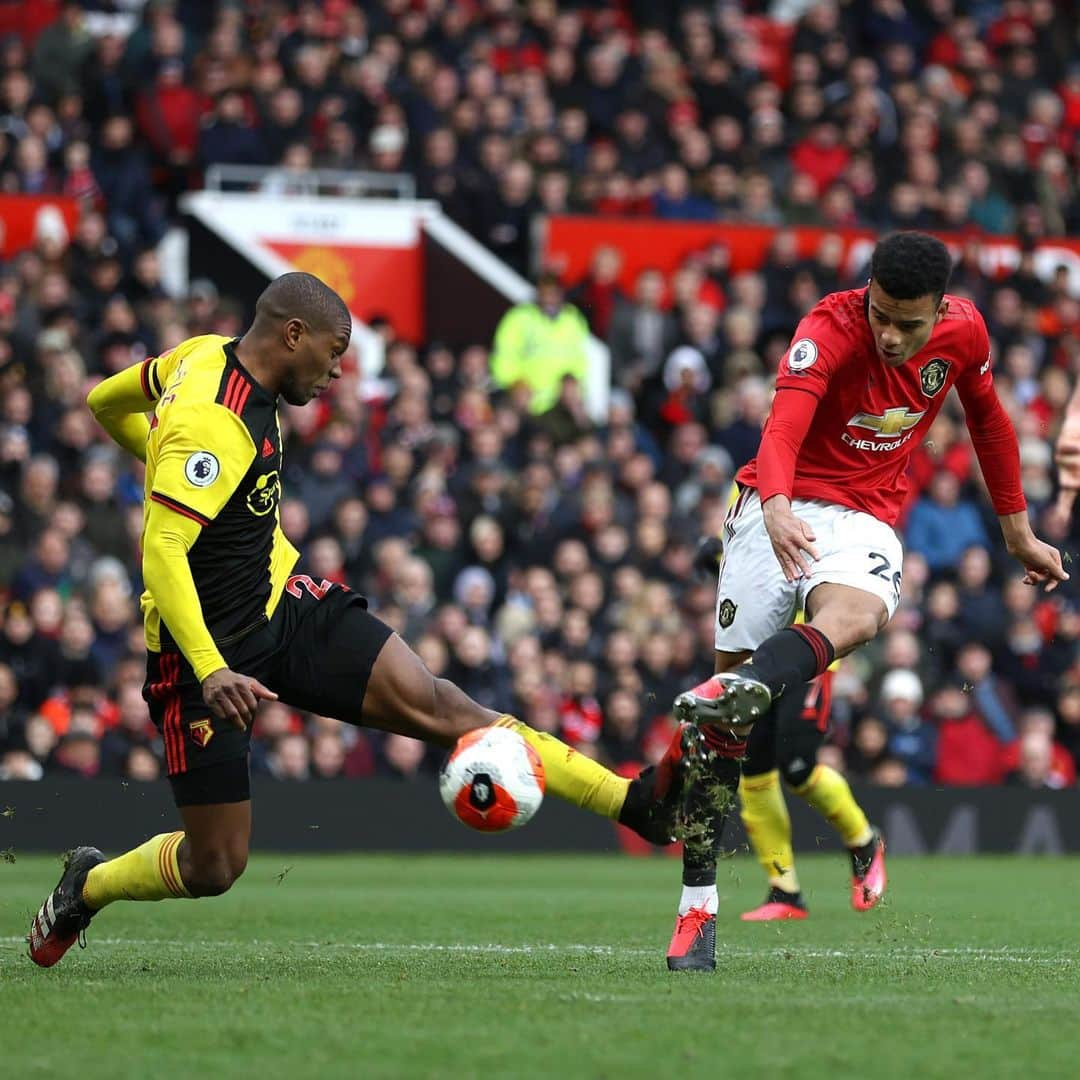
[[89, 882], [403, 696], [204, 859], [842, 618], [790, 658], [727, 698]]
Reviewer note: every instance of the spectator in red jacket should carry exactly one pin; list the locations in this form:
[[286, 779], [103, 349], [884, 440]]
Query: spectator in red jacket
[[968, 752], [168, 115], [821, 155]]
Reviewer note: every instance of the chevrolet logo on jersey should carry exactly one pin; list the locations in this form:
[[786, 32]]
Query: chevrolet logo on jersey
[[892, 423]]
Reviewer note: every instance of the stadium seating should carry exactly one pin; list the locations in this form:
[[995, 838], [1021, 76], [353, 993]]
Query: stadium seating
[[545, 563]]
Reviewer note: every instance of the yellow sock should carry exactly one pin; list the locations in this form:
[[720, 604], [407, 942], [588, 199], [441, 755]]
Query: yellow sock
[[765, 816], [828, 793], [573, 776], [149, 872]]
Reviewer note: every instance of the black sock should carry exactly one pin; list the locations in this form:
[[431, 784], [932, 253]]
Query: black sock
[[792, 657], [709, 814]]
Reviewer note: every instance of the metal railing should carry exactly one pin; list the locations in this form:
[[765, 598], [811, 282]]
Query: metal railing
[[281, 180]]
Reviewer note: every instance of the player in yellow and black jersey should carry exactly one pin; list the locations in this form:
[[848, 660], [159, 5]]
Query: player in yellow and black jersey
[[229, 621]]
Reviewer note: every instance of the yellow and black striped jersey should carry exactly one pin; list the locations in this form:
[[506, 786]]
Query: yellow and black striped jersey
[[214, 455]]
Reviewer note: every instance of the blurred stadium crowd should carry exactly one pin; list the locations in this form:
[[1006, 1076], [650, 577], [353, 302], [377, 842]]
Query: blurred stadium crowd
[[543, 562]]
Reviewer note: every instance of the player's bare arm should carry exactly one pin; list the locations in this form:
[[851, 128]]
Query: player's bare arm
[[1041, 561], [1067, 455], [996, 447]]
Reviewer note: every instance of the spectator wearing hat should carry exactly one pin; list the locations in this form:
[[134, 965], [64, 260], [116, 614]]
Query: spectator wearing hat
[[911, 741], [687, 381]]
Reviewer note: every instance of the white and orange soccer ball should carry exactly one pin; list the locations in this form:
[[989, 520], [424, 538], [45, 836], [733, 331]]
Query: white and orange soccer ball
[[493, 780]]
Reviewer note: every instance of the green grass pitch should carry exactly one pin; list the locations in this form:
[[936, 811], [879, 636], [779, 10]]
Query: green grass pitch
[[388, 966]]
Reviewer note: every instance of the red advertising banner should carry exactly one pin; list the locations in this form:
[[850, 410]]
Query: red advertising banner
[[384, 282], [570, 243], [22, 217]]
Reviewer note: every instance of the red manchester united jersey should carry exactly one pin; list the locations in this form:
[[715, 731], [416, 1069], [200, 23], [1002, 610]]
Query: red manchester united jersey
[[867, 417]]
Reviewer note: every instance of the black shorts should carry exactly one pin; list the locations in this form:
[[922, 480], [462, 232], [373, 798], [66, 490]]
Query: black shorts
[[316, 653]]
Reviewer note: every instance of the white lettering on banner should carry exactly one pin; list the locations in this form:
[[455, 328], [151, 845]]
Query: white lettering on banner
[[871, 444], [304, 223]]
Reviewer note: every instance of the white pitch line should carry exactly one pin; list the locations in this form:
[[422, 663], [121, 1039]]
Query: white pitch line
[[1004, 954]]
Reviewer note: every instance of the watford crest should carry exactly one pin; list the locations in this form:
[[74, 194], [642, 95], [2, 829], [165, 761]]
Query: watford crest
[[201, 731], [933, 374]]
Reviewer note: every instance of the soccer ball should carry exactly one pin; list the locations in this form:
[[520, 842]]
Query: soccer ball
[[493, 780]]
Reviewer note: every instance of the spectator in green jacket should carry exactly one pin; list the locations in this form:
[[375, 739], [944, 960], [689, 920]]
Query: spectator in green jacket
[[540, 342]]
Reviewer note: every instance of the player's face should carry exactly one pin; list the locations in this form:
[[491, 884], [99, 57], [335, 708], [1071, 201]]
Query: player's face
[[318, 363], [902, 327]]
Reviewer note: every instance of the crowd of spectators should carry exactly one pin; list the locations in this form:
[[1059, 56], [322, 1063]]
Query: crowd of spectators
[[541, 560]]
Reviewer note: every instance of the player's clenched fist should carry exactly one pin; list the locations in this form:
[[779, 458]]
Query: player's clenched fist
[[234, 697], [792, 539]]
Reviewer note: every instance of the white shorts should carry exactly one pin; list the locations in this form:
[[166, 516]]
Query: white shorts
[[753, 598]]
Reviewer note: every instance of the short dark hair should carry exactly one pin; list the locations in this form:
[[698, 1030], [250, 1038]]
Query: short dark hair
[[907, 265], [298, 295]]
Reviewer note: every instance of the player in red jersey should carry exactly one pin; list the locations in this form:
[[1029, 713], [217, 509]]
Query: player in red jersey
[[859, 387]]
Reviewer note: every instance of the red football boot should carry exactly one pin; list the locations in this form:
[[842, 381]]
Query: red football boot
[[693, 945], [868, 877], [778, 905], [726, 700]]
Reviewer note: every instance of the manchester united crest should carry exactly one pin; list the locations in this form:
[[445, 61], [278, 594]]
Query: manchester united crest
[[933, 374], [725, 613]]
